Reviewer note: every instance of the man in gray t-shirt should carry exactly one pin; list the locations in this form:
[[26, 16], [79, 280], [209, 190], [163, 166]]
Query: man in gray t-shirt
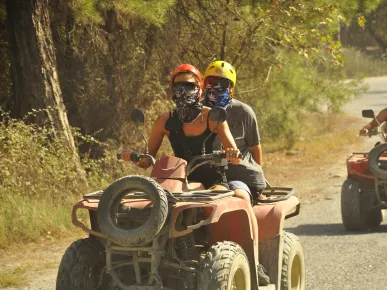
[[244, 128], [245, 179], [219, 81]]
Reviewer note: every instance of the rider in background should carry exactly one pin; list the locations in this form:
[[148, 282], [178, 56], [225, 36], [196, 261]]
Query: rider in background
[[381, 117], [188, 126]]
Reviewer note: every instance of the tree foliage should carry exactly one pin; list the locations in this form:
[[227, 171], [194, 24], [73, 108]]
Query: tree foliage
[[115, 55]]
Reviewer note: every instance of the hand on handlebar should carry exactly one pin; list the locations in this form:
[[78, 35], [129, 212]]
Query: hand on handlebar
[[128, 155], [367, 132], [233, 155], [125, 155]]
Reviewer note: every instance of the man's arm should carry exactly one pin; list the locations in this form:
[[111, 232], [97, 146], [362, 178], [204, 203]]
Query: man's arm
[[256, 152], [253, 139], [381, 117]]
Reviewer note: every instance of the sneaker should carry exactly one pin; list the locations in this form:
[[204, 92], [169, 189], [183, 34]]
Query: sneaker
[[263, 279]]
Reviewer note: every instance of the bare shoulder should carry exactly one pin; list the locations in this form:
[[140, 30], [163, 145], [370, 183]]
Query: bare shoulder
[[162, 120]]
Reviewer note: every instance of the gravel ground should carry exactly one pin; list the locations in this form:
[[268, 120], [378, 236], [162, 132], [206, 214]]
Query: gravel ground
[[335, 259]]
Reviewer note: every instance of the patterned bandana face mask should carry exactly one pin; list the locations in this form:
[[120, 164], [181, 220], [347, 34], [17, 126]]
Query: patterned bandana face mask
[[217, 93], [185, 96]]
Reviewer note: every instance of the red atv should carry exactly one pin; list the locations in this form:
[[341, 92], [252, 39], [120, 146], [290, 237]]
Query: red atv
[[364, 193], [160, 232]]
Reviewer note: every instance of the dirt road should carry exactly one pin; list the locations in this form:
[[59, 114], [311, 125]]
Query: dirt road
[[335, 259]]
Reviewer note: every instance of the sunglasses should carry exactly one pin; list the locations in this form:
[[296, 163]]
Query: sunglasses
[[217, 81], [187, 86]]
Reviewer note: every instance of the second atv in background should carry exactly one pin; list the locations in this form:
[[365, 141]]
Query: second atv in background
[[364, 192]]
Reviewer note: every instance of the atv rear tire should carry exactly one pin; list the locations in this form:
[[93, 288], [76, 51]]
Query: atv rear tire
[[373, 161], [355, 204], [111, 200], [225, 267], [82, 266], [293, 264]]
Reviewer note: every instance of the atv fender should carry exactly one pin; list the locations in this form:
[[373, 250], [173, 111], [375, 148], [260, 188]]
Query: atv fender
[[271, 216]]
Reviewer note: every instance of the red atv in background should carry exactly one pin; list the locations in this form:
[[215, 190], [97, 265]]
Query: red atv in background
[[364, 193], [160, 232]]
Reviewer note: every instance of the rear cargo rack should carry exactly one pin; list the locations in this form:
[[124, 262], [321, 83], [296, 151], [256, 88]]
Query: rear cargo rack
[[279, 193]]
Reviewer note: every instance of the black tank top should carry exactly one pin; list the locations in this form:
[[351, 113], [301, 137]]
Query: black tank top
[[187, 147]]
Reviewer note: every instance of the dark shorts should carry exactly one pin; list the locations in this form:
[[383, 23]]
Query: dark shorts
[[236, 184]]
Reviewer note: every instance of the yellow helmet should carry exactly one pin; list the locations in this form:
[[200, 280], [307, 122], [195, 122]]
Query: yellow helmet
[[220, 68]]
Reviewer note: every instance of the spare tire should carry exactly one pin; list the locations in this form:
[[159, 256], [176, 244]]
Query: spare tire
[[110, 203], [373, 161]]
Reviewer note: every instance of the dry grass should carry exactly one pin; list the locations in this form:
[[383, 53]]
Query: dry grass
[[13, 277], [19, 262], [323, 143]]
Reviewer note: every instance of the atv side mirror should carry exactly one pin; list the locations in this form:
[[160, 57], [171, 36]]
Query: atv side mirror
[[218, 114], [368, 114], [138, 118]]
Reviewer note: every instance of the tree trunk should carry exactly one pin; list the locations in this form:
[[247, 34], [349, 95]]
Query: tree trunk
[[35, 80]]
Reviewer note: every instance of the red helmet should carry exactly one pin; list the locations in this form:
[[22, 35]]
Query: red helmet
[[187, 68]]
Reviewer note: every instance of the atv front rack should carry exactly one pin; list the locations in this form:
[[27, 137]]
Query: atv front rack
[[197, 195]]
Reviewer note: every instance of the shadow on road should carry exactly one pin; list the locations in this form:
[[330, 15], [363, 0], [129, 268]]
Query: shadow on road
[[331, 230]]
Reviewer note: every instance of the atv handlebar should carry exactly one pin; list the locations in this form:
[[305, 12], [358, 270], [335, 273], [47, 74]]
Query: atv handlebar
[[216, 158], [136, 157]]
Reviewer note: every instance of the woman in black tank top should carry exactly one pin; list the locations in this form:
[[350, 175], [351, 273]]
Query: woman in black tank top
[[186, 147], [189, 125]]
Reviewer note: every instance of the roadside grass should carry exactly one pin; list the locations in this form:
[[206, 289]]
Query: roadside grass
[[39, 183], [13, 277], [359, 64], [24, 220], [17, 276], [324, 140]]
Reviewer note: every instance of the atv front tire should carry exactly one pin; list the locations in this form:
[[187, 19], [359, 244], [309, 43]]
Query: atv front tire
[[82, 266], [225, 267], [110, 202], [293, 264], [355, 204]]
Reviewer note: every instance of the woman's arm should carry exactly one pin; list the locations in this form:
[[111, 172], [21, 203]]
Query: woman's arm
[[227, 140], [157, 135], [155, 140]]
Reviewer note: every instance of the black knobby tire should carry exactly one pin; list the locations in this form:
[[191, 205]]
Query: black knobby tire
[[355, 204], [293, 264], [225, 265], [82, 266], [373, 160], [110, 202]]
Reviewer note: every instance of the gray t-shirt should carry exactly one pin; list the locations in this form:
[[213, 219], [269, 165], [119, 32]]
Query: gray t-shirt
[[244, 128]]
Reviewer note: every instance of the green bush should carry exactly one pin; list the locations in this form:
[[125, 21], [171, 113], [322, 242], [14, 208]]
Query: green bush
[[297, 87], [39, 182]]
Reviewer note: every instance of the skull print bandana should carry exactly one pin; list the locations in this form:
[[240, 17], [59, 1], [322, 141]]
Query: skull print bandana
[[188, 107]]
